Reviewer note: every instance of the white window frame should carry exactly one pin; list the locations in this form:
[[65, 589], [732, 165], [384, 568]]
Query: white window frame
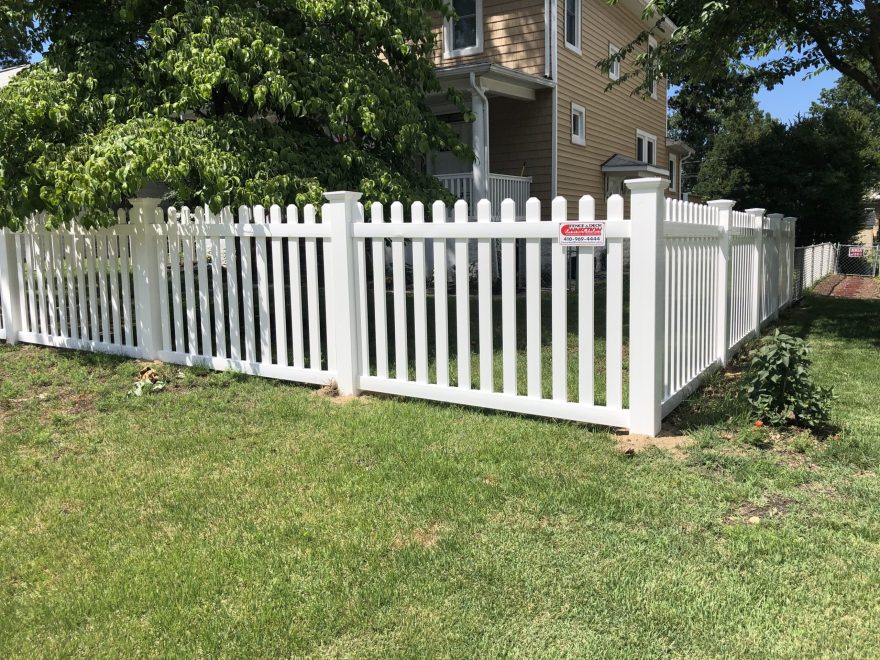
[[579, 139], [646, 137], [614, 68], [449, 35], [579, 8], [652, 45], [674, 173]]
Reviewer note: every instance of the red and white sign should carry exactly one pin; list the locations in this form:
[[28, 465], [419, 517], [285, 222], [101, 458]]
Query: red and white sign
[[584, 234], [857, 252]]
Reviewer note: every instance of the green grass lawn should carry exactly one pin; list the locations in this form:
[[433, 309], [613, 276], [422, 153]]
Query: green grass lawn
[[228, 516]]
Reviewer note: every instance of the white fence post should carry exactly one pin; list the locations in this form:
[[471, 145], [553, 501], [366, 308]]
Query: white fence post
[[790, 227], [647, 304], [775, 221], [145, 261], [722, 310], [758, 270], [10, 288], [341, 211]]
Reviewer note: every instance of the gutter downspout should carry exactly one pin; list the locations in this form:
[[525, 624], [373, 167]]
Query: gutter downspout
[[547, 71], [480, 170], [554, 72]]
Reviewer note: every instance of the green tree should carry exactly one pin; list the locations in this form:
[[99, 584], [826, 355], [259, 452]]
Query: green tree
[[813, 169], [715, 39], [698, 111], [226, 102]]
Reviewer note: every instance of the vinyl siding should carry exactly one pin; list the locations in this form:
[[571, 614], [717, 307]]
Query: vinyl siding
[[612, 117], [513, 36]]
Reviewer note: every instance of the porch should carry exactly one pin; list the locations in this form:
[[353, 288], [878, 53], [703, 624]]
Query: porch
[[510, 131], [501, 187]]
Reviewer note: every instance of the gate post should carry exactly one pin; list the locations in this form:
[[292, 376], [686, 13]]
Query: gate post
[[340, 213], [790, 225], [10, 287], [647, 303], [722, 309], [758, 270], [145, 263]]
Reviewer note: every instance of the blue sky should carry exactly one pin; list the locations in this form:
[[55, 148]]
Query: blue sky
[[795, 95]]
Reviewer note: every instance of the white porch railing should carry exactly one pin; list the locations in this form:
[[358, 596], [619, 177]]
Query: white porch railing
[[501, 187]]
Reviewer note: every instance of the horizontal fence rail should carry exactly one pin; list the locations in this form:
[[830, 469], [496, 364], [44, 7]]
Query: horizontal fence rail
[[471, 305]]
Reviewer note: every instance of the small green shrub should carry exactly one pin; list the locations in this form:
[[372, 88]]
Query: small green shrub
[[779, 386]]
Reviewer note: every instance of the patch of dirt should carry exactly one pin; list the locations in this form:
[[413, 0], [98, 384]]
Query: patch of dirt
[[331, 391], [849, 286], [670, 439], [424, 538], [754, 514]]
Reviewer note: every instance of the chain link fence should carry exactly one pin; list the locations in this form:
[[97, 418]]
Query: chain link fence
[[857, 260]]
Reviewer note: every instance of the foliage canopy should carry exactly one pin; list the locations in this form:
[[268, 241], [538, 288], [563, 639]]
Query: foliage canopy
[[227, 102]]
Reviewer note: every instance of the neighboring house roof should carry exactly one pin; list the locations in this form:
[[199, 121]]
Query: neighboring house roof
[[8, 74], [619, 164]]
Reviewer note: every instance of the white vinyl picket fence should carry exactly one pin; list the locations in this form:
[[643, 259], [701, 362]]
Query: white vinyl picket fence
[[372, 299]]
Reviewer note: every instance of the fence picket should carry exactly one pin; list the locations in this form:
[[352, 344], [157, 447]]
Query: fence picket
[[559, 307], [377, 217], [296, 312], [441, 293], [462, 301], [398, 289], [280, 342], [204, 310], [233, 297], [614, 313], [420, 297], [484, 300], [586, 312], [115, 311], [217, 289], [314, 311], [163, 294], [508, 301], [61, 291], [533, 303], [67, 248], [262, 261]]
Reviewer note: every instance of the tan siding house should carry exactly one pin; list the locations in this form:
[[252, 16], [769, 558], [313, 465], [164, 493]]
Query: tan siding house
[[545, 124]]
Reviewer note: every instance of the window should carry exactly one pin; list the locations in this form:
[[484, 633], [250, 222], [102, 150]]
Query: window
[[578, 124], [652, 72], [673, 173], [463, 34], [573, 24], [646, 148], [614, 69]]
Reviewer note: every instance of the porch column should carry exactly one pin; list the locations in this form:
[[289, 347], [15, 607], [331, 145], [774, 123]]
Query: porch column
[[480, 128]]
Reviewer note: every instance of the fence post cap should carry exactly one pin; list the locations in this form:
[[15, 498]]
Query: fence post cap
[[654, 183], [776, 216], [789, 218], [722, 204], [342, 196], [760, 212]]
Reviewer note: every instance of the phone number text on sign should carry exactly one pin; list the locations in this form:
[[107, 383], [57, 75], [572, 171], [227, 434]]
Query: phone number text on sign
[[583, 234]]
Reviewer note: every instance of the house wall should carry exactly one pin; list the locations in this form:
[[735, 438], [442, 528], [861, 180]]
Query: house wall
[[513, 36], [612, 117], [519, 136]]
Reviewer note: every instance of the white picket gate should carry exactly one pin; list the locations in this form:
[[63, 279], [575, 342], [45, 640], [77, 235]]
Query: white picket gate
[[345, 294]]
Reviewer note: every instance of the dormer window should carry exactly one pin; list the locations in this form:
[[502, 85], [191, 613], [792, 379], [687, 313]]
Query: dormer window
[[463, 34]]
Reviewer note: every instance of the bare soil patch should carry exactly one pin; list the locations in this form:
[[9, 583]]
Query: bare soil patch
[[754, 514], [670, 439]]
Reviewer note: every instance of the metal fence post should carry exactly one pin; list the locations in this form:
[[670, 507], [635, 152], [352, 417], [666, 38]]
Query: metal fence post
[[758, 270], [145, 262], [10, 289], [722, 309], [340, 213], [647, 304]]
